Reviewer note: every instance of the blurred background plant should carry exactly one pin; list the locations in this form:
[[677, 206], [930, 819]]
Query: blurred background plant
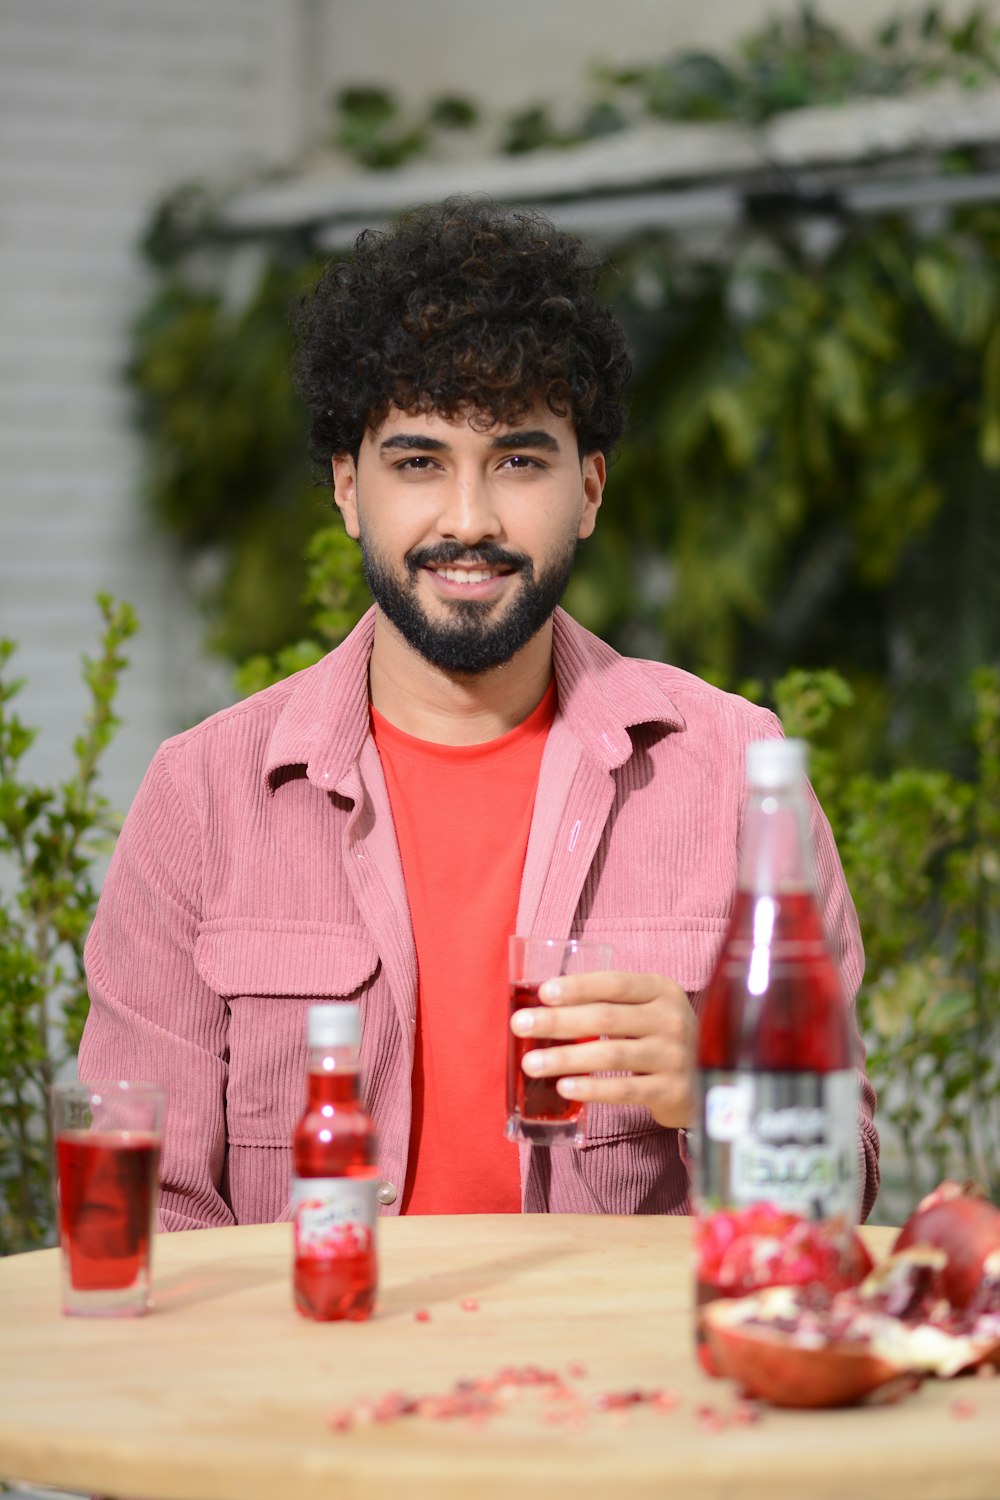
[[795, 60], [51, 839]]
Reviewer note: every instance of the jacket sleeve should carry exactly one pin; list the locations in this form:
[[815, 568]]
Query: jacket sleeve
[[152, 1018], [844, 936]]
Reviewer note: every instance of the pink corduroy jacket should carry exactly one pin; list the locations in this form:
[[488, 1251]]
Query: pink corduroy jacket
[[258, 872]]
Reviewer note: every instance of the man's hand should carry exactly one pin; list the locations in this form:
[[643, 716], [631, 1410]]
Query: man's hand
[[645, 1028]]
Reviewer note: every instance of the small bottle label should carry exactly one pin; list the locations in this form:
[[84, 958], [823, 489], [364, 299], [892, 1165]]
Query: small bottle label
[[790, 1139], [334, 1216]]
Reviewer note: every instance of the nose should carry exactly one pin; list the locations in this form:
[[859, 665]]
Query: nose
[[468, 513]]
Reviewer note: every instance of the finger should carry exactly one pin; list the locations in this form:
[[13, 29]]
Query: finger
[[619, 985], [657, 1018], [643, 1055], [667, 1096]]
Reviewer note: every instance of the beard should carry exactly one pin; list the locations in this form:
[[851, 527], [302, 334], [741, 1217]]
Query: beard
[[470, 641]]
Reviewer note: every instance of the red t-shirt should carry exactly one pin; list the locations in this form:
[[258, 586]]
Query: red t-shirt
[[462, 815]]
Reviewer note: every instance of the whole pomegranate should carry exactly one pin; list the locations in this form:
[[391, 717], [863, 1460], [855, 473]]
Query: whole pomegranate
[[960, 1221]]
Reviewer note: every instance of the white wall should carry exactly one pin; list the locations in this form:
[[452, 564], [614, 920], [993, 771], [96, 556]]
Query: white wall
[[105, 104]]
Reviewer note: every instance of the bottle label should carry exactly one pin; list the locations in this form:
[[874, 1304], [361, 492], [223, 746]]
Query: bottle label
[[790, 1139], [333, 1216]]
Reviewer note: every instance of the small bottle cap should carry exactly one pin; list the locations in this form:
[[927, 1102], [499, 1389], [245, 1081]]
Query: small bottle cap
[[337, 1025], [774, 763]]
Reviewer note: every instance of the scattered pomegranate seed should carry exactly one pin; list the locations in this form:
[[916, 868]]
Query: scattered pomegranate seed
[[558, 1403], [963, 1409], [711, 1420], [469, 1304], [577, 1369], [422, 1315]]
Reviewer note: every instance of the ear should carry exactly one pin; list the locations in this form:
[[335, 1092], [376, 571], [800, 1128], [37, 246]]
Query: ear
[[345, 492], [594, 473]]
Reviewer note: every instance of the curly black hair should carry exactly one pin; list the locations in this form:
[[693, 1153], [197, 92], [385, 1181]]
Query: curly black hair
[[462, 307]]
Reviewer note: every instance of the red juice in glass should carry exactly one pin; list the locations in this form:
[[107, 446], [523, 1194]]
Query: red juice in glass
[[533, 1099], [107, 1147], [335, 1273], [536, 1111], [107, 1196]]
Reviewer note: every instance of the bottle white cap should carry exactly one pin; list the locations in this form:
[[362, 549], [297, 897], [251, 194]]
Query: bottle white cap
[[337, 1025], [774, 763]]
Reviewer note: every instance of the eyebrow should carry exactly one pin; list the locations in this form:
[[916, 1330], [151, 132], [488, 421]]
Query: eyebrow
[[409, 441]]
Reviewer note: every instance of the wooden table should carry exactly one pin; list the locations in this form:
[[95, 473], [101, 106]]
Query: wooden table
[[224, 1392]]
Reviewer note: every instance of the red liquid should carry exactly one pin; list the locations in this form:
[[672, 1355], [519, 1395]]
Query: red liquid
[[107, 1198], [533, 1098], [340, 1285], [798, 1021]]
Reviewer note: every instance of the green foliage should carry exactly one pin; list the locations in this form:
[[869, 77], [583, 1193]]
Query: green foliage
[[50, 838], [373, 130], [814, 448], [228, 473], [794, 61], [921, 851], [336, 594]]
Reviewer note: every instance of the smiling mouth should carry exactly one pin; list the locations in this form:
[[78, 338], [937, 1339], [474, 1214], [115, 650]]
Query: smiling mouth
[[469, 575]]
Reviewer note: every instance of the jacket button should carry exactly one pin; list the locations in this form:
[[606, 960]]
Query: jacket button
[[386, 1192]]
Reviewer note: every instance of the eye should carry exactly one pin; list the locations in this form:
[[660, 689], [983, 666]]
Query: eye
[[521, 461], [417, 463]]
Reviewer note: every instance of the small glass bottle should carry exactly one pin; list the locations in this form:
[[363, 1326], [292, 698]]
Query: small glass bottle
[[335, 1176], [777, 1142]]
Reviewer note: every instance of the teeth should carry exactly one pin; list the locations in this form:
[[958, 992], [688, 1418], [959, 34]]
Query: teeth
[[464, 575]]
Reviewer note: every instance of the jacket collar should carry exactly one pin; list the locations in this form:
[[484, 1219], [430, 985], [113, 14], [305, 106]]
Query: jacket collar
[[601, 696]]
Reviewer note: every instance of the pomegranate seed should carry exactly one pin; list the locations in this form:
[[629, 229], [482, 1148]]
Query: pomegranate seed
[[745, 1415], [666, 1400], [422, 1315], [469, 1304], [577, 1369], [963, 1409], [710, 1420]]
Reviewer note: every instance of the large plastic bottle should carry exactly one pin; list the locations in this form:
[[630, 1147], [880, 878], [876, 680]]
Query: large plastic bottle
[[335, 1176], [778, 1127]]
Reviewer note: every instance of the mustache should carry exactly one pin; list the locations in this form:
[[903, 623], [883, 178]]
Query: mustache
[[447, 554]]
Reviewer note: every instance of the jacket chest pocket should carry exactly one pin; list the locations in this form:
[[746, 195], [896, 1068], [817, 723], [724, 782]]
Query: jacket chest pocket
[[269, 973], [684, 950]]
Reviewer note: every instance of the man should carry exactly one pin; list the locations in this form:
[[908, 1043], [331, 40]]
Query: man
[[469, 763]]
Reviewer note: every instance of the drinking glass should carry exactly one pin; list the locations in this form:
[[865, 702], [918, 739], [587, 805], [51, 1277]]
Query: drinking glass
[[107, 1138], [535, 1111]]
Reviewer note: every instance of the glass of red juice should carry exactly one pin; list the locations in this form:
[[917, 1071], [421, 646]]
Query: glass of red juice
[[536, 1111], [107, 1140]]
